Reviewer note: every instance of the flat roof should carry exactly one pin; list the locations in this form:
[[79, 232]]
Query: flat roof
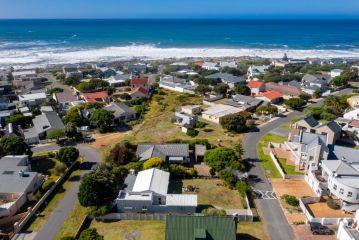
[[181, 200]]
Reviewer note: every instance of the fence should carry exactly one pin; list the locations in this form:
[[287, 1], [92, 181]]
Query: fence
[[19, 225], [325, 221], [133, 216]]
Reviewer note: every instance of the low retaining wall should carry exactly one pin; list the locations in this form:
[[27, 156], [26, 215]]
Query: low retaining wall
[[132, 216], [310, 218]]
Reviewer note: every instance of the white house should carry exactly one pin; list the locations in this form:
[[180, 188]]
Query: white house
[[353, 114], [336, 72], [211, 66], [32, 99], [217, 111], [254, 71], [148, 191], [348, 229]]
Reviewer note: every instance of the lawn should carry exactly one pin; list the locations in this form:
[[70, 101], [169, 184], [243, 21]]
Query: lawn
[[73, 221], [285, 127], [267, 162], [157, 127], [46, 210], [288, 169], [251, 231], [44, 164], [131, 229], [212, 193]]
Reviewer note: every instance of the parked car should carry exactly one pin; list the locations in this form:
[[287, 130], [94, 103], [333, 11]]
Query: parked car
[[319, 229], [88, 139]]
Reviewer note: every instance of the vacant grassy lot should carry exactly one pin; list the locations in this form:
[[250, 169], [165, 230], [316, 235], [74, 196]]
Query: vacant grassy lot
[[72, 222], [131, 229], [158, 128], [212, 193], [267, 162], [251, 231], [44, 164]]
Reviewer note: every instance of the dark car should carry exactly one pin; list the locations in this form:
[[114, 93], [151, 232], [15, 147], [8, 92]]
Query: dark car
[[319, 229]]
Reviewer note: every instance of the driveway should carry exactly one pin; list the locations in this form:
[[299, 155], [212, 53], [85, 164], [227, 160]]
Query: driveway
[[60, 213]]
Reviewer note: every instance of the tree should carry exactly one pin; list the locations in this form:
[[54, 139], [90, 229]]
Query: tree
[[97, 188], [306, 97], [221, 158], [121, 153], [90, 234], [125, 96], [336, 105], [191, 132], [267, 110], [233, 122], [221, 89], [19, 119], [67, 155], [36, 111], [295, 103], [243, 90], [73, 116], [228, 177], [56, 134], [202, 89], [14, 145], [238, 149], [55, 90], [71, 130], [340, 81], [101, 119], [154, 162]]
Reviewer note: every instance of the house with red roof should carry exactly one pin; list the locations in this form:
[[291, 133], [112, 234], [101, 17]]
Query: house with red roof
[[140, 82], [256, 87], [287, 90], [101, 96], [271, 96], [139, 92]]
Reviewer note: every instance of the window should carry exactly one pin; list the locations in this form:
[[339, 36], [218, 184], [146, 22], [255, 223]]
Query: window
[[159, 201], [358, 196], [335, 187], [341, 191], [350, 194]]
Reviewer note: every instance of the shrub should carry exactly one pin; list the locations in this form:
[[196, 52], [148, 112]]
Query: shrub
[[200, 124], [192, 132], [98, 211], [51, 154], [90, 234], [332, 204], [290, 200], [47, 184], [243, 188], [229, 178], [154, 162], [213, 212], [60, 169], [68, 155]]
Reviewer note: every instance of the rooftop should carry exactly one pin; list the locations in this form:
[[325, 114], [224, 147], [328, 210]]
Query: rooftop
[[153, 179], [146, 151], [119, 109], [65, 96], [32, 96], [255, 84], [272, 95], [95, 96], [220, 110]]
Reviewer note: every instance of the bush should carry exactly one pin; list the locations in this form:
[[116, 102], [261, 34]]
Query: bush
[[98, 211], [154, 162], [47, 184], [233, 123], [213, 212], [90, 234], [192, 132], [68, 155], [178, 170], [200, 124], [332, 204], [290, 200], [228, 177], [60, 169], [243, 188]]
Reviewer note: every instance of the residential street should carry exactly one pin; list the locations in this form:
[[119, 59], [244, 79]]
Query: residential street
[[54, 223]]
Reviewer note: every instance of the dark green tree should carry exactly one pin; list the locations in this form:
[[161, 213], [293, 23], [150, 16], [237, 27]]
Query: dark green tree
[[295, 103], [102, 120], [68, 155], [14, 145], [233, 122], [90, 234], [221, 158], [243, 90]]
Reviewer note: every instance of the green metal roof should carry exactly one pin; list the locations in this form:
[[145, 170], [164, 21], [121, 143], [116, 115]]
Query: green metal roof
[[197, 227]]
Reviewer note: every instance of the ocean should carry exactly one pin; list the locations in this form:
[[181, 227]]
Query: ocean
[[29, 43]]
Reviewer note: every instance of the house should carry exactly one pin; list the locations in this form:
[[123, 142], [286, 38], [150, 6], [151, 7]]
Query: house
[[217, 111], [185, 120], [315, 82], [118, 79], [78, 75], [349, 230], [227, 78], [101, 96], [17, 183], [200, 228], [138, 67], [245, 103], [148, 191], [69, 68], [139, 82], [179, 65], [139, 92], [353, 101], [223, 64], [64, 99], [352, 114], [107, 72], [306, 147], [32, 100], [270, 96], [254, 71], [256, 87], [43, 125], [336, 72], [176, 84], [210, 66], [23, 74], [286, 90], [191, 109], [351, 126], [121, 112], [172, 153], [331, 129]]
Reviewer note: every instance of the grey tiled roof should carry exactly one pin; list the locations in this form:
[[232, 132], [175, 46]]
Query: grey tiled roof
[[146, 151], [227, 77], [311, 121], [120, 109], [343, 153], [47, 121]]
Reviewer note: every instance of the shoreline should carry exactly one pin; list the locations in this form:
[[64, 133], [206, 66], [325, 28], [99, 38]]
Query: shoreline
[[43, 57]]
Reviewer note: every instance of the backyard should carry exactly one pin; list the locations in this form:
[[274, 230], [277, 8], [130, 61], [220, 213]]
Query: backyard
[[159, 117], [211, 193], [251, 231], [131, 229]]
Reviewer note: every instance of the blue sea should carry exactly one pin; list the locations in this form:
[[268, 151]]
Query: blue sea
[[42, 42]]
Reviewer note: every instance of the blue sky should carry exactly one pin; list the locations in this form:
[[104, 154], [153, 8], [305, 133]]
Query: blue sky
[[179, 8]]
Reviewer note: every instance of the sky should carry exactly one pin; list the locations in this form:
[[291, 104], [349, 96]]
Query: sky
[[179, 9]]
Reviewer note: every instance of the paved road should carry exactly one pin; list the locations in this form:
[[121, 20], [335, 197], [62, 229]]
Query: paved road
[[277, 225], [60, 213]]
